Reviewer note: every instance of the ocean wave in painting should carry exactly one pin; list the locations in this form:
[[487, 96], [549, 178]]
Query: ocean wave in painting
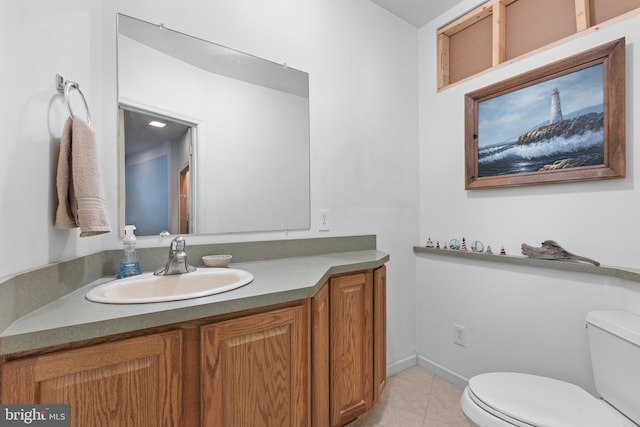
[[511, 157]]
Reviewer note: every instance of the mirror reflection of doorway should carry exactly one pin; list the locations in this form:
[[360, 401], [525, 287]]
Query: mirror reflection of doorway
[[184, 201], [157, 158]]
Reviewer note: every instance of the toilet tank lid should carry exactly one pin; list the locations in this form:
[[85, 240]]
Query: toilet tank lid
[[620, 323]]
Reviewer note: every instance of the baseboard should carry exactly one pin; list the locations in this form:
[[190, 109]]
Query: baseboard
[[441, 371], [401, 365], [423, 362]]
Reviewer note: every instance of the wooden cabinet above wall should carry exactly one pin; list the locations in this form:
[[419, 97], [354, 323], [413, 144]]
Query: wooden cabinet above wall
[[502, 30]]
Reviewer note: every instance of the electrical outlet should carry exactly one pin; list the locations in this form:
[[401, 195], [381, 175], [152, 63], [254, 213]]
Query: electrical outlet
[[460, 335], [324, 220]]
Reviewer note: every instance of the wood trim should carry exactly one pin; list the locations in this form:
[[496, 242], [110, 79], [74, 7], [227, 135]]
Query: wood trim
[[472, 17], [379, 331], [320, 356], [443, 60], [191, 377], [499, 50], [583, 15]]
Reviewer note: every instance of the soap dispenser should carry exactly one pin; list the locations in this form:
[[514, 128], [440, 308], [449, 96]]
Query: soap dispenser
[[129, 265]]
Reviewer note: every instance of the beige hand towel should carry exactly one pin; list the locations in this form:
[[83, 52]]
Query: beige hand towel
[[81, 199]]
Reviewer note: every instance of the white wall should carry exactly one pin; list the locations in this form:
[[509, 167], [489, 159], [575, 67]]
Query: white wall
[[518, 318], [37, 40], [363, 100]]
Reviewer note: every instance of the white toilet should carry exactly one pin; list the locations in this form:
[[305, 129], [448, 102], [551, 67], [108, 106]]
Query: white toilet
[[507, 399]]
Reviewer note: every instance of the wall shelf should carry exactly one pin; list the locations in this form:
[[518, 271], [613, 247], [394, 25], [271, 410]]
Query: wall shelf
[[630, 274]]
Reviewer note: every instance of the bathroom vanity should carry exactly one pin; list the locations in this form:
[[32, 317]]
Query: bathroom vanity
[[304, 344]]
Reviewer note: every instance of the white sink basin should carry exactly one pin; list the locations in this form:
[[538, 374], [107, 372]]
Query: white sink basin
[[149, 288]]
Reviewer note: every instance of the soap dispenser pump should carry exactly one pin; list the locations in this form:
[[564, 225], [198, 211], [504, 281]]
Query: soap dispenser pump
[[130, 265]]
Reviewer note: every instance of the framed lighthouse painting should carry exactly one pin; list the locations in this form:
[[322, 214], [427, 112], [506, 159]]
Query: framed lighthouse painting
[[563, 122]]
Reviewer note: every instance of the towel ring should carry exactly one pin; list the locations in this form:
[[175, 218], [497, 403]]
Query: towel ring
[[64, 87]]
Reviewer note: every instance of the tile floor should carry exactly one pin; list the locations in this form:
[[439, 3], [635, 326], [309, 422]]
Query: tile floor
[[416, 397]]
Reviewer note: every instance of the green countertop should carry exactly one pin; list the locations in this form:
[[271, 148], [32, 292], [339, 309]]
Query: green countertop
[[73, 318]]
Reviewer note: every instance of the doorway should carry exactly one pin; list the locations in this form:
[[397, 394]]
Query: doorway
[[156, 158]]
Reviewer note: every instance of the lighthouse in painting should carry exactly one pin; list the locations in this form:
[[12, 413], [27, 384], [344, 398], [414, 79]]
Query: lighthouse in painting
[[556, 110]]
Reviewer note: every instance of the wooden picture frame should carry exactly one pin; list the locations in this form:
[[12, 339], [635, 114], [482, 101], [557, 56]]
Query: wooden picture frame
[[509, 141]]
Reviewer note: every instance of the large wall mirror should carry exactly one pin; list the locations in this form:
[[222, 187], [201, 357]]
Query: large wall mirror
[[212, 140]]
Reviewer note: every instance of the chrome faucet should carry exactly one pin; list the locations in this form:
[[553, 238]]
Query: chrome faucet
[[177, 263]]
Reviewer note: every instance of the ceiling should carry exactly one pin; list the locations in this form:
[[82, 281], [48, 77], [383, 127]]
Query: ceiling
[[417, 12], [140, 136]]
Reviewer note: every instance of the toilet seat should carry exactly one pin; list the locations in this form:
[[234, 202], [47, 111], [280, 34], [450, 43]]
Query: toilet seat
[[530, 400]]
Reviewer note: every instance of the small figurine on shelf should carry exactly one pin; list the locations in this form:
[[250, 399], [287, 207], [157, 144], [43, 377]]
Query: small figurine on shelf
[[502, 251], [463, 247], [477, 246], [454, 244], [445, 246], [429, 243], [489, 251], [437, 244]]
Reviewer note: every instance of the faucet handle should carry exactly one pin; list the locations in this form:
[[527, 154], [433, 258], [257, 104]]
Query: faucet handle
[[178, 244]]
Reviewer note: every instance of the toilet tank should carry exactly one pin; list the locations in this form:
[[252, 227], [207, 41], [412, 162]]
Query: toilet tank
[[614, 339]]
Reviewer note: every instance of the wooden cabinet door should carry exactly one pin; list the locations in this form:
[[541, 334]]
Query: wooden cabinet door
[[320, 358], [351, 365], [134, 382], [255, 370], [379, 331]]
